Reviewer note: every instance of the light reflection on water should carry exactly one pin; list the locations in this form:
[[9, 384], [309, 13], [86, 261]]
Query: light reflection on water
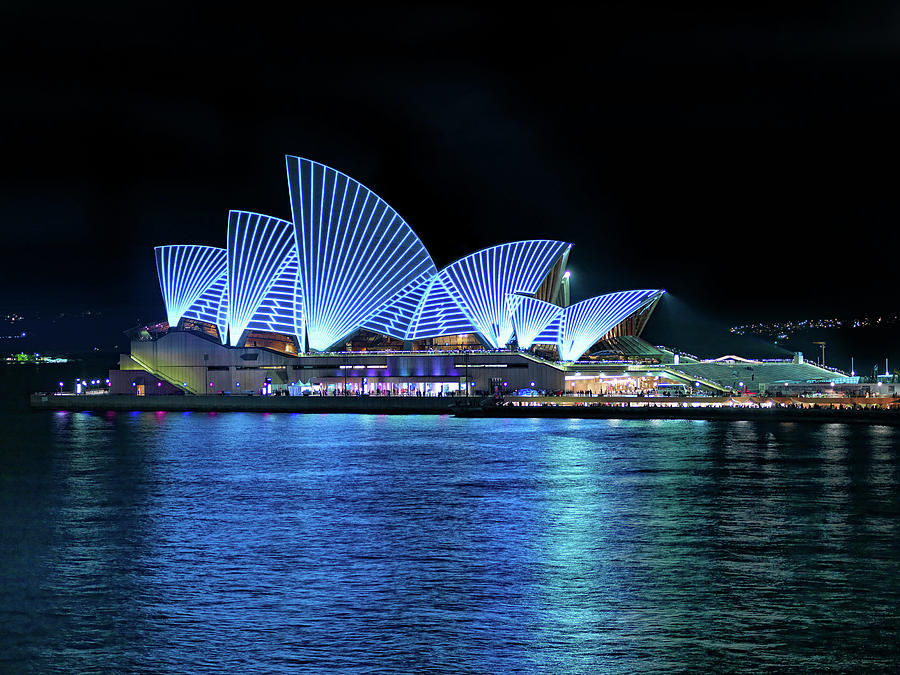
[[322, 542]]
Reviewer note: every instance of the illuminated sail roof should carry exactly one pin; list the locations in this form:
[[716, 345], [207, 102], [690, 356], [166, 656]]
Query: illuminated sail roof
[[440, 312], [356, 254], [575, 328], [398, 316], [279, 311], [583, 323], [480, 283], [530, 317], [212, 306], [347, 261], [260, 249], [185, 273]]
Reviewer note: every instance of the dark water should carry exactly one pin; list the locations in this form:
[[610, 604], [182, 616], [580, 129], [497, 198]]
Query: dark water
[[259, 543]]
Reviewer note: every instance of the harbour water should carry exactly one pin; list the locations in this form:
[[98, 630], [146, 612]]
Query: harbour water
[[246, 542]]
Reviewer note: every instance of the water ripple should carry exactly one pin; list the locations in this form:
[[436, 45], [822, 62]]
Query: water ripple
[[238, 542]]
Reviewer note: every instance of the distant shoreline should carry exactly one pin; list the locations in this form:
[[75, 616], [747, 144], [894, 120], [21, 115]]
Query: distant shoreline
[[463, 408]]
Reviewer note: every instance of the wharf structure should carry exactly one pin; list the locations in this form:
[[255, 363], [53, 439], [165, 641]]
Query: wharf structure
[[344, 299]]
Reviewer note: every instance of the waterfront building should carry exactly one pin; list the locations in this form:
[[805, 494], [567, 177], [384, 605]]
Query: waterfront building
[[347, 274], [344, 298]]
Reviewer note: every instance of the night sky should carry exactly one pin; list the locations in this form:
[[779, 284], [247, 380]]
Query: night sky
[[745, 160]]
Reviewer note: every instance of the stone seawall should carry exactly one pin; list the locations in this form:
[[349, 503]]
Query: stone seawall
[[379, 405], [461, 407]]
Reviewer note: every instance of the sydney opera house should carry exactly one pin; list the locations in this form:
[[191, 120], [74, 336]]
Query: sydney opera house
[[344, 297]]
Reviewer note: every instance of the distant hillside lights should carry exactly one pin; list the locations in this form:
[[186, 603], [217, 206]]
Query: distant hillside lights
[[348, 262], [783, 329], [34, 358]]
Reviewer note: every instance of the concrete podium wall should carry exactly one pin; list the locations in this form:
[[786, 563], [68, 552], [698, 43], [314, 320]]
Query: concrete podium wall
[[203, 366]]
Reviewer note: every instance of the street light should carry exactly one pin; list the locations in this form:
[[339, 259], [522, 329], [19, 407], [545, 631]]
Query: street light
[[822, 345]]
